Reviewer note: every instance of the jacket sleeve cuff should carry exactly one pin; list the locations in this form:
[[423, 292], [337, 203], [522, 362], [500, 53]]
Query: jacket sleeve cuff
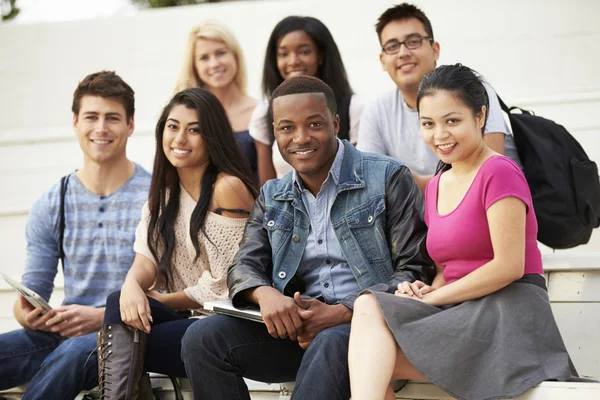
[[236, 293], [349, 300]]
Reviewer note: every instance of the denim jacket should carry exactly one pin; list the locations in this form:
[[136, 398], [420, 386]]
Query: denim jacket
[[377, 217]]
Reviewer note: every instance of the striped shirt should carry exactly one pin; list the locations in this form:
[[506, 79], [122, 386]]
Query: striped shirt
[[98, 239]]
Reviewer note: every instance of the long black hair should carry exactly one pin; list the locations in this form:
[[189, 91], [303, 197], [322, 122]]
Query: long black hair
[[331, 70], [163, 198], [463, 83]]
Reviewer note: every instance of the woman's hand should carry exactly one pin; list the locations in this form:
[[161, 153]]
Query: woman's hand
[[414, 289], [135, 308]]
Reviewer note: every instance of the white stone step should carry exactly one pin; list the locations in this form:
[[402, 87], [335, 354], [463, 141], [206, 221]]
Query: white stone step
[[163, 390], [543, 391]]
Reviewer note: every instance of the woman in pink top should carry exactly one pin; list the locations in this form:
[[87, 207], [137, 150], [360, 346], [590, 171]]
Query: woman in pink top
[[484, 328]]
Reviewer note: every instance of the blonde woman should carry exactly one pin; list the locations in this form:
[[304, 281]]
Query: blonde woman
[[214, 61]]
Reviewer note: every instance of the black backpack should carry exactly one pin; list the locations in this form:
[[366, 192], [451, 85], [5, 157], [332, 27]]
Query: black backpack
[[563, 181]]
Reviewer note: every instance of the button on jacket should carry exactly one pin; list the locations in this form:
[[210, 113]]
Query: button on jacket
[[323, 268], [377, 217]]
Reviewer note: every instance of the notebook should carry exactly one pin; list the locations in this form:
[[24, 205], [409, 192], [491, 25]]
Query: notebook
[[225, 307], [32, 297]]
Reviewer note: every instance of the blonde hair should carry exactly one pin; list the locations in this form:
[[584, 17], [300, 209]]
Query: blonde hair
[[210, 30]]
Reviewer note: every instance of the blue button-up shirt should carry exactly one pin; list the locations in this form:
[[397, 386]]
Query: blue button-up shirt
[[323, 267]]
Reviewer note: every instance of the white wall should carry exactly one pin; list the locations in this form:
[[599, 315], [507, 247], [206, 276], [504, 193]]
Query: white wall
[[538, 54]]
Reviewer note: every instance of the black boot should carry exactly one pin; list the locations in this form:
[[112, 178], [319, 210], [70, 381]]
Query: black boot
[[145, 388], [121, 351]]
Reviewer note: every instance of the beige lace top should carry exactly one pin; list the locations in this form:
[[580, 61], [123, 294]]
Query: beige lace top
[[205, 279]]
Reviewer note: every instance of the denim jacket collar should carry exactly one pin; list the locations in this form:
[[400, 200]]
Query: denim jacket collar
[[351, 175]]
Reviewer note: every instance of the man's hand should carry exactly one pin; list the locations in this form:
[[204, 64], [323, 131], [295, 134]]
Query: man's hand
[[281, 314], [75, 320], [33, 317], [324, 316]]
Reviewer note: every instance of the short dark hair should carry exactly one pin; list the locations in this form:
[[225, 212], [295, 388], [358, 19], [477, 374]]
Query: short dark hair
[[108, 85], [303, 84], [403, 11]]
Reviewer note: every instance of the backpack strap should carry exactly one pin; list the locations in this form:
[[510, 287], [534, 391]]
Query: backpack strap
[[508, 109], [64, 182], [503, 105]]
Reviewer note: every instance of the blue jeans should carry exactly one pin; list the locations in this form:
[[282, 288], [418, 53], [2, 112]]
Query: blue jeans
[[219, 351], [55, 367]]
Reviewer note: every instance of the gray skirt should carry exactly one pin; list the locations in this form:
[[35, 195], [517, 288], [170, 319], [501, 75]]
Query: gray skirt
[[495, 347]]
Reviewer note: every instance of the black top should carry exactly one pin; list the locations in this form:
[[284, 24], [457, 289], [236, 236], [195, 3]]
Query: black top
[[246, 145]]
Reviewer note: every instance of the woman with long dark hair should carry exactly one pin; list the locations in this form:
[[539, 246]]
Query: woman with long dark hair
[[301, 46], [484, 328], [200, 196]]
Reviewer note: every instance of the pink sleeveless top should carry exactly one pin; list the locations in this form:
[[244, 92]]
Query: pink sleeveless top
[[460, 240]]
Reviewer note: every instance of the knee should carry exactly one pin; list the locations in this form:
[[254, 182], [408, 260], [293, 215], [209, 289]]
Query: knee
[[366, 305], [112, 313], [328, 351], [75, 351], [333, 341], [189, 341], [199, 338], [113, 300]]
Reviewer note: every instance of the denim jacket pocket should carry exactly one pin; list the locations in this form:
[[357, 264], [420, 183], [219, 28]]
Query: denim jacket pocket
[[279, 224], [367, 225]]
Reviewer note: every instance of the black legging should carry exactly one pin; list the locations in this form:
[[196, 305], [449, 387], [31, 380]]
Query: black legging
[[163, 344]]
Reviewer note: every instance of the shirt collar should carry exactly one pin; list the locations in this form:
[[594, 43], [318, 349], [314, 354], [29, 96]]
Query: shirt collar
[[334, 171]]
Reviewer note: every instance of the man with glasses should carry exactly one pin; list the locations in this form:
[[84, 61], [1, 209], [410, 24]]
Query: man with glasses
[[390, 124]]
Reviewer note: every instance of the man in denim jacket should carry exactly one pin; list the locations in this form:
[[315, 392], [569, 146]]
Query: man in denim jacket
[[341, 222]]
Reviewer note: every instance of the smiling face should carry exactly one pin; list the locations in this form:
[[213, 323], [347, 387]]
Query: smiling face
[[102, 129], [407, 67], [449, 127], [182, 141], [297, 55], [215, 63], [305, 131]]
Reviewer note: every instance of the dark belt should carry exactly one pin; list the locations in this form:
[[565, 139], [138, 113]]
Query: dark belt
[[533, 279]]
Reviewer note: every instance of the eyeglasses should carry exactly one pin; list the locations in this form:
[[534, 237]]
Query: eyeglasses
[[412, 42]]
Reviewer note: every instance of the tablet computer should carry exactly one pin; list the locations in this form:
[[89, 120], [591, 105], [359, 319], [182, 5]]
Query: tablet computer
[[32, 297], [225, 307]]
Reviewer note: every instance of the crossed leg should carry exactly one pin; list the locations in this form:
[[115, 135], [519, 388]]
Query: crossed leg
[[374, 356]]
